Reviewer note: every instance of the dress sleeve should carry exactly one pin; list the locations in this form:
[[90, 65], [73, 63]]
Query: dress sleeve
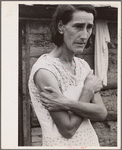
[[44, 64]]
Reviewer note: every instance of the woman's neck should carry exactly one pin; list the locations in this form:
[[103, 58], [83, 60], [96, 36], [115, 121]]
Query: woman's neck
[[63, 54], [66, 58]]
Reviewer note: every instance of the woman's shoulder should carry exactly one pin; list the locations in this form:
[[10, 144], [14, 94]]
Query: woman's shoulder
[[44, 62], [44, 59]]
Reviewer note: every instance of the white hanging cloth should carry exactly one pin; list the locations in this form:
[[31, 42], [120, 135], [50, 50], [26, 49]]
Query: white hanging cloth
[[102, 37]]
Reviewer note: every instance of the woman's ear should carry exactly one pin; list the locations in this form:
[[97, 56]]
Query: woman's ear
[[60, 27]]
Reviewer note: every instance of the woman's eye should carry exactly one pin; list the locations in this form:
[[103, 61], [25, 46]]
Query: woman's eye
[[90, 26], [79, 27]]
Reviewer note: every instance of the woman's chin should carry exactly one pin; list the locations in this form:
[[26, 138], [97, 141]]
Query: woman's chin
[[79, 49], [78, 52]]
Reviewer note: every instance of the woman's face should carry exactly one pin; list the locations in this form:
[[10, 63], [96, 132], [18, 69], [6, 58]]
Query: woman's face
[[77, 32]]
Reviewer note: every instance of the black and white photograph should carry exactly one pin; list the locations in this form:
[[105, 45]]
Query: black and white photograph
[[67, 71]]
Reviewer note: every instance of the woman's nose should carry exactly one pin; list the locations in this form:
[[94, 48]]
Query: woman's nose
[[84, 34]]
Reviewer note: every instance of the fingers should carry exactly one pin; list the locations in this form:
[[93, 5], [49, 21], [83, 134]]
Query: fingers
[[44, 100], [91, 72], [101, 83], [49, 89], [90, 75], [45, 95], [47, 106]]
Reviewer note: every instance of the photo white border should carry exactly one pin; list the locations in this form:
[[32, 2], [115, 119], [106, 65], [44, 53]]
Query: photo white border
[[9, 69]]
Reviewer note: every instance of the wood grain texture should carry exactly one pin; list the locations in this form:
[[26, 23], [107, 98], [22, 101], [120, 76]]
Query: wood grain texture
[[26, 97]]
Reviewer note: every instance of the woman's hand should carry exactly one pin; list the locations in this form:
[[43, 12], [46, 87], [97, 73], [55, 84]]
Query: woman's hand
[[52, 99], [93, 83]]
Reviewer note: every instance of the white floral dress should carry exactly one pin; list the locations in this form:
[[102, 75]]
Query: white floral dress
[[71, 87]]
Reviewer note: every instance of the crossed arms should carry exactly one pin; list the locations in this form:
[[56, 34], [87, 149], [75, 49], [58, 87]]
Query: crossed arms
[[66, 113]]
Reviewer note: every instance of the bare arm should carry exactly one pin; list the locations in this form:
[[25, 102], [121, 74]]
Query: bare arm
[[95, 110], [66, 123]]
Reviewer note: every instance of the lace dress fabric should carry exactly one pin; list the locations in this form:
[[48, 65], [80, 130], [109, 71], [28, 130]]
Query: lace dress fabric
[[71, 86]]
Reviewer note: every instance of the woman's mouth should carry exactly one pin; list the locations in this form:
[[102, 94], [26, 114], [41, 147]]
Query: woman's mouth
[[81, 44]]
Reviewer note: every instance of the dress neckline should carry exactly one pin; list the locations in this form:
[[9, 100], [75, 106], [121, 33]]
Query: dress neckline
[[59, 62]]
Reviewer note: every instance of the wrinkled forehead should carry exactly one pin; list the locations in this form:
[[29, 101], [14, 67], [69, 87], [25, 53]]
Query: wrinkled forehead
[[82, 16]]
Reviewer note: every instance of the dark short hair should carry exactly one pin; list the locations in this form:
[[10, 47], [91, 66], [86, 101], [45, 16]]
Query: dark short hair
[[64, 13]]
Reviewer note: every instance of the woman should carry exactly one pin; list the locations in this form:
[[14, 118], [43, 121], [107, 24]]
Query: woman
[[63, 89]]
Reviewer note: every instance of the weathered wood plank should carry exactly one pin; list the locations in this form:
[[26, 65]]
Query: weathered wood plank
[[107, 133], [39, 27], [36, 138], [20, 124], [35, 122], [111, 85], [109, 98], [112, 51], [26, 100], [36, 134], [36, 52], [36, 131], [26, 122], [36, 143]]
